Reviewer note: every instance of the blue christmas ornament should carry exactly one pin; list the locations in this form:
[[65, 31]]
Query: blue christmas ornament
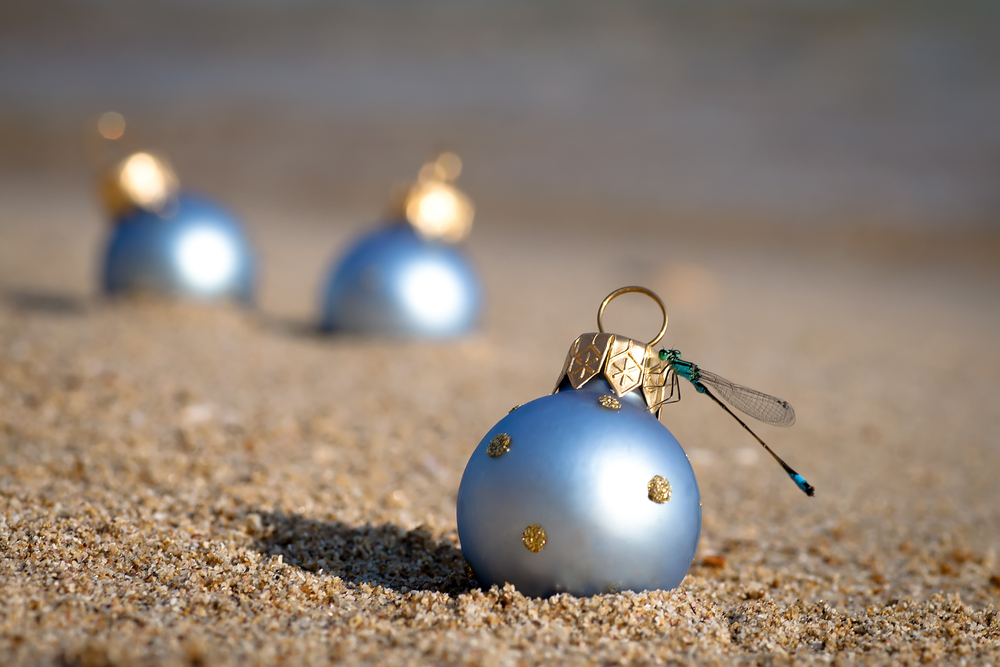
[[584, 491], [191, 248], [167, 242], [408, 277]]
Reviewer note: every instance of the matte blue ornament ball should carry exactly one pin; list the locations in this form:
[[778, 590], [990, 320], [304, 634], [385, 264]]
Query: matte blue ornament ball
[[192, 247], [392, 281], [582, 491]]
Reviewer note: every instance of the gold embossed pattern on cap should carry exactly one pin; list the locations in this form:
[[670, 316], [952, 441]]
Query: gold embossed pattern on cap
[[659, 489], [499, 445], [626, 364], [534, 538], [610, 402]]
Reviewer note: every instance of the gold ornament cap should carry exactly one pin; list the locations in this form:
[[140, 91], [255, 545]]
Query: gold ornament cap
[[436, 209], [625, 363], [141, 180]]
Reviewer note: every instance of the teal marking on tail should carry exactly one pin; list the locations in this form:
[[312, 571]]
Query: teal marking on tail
[[803, 484]]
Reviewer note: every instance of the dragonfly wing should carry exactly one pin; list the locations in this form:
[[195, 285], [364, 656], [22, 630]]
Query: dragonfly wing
[[749, 401]]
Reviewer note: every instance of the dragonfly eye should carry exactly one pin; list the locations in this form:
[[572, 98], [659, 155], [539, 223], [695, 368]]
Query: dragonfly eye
[[663, 355]]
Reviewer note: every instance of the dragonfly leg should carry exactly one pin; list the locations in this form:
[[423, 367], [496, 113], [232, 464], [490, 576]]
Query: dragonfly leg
[[799, 480], [672, 397]]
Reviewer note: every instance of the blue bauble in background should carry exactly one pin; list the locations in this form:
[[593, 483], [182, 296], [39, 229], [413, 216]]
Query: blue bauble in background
[[189, 247], [393, 281], [410, 277]]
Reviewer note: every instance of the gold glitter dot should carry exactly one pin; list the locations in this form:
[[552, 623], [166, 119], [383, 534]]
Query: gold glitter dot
[[610, 402], [514, 408], [534, 538], [499, 445], [659, 490]]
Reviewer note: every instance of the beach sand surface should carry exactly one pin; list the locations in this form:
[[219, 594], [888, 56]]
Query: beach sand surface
[[195, 484]]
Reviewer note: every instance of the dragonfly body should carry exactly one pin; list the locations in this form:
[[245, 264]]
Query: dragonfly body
[[688, 371], [749, 401]]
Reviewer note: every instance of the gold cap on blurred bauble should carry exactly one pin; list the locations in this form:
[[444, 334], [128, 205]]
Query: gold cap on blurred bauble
[[437, 209], [141, 180]]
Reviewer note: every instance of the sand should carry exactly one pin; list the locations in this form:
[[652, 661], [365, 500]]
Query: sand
[[187, 484]]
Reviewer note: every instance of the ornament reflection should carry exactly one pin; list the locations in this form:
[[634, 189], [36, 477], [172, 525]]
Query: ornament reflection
[[434, 294], [206, 258]]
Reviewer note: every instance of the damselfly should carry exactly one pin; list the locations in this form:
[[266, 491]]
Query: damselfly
[[758, 405]]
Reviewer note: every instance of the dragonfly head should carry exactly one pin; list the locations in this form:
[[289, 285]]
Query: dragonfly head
[[669, 355]]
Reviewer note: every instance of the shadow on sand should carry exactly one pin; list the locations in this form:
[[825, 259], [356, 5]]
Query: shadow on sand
[[308, 329], [47, 302], [384, 555], [291, 327]]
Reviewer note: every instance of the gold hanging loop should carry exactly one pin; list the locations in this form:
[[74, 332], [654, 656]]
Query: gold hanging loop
[[641, 290], [626, 364]]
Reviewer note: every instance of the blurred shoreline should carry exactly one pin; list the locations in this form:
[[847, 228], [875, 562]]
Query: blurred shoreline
[[860, 126]]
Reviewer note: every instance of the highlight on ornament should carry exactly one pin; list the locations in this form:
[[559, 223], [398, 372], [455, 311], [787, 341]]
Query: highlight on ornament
[[409, 276], [164, 240]]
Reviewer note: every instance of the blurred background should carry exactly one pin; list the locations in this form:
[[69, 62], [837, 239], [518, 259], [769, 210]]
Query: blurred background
[[868, 125], [811, 185]]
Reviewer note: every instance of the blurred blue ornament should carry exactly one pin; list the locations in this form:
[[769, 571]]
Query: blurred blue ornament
[[394, 282], [167, 242], [191, 247], [408, 277], [584, 491]]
